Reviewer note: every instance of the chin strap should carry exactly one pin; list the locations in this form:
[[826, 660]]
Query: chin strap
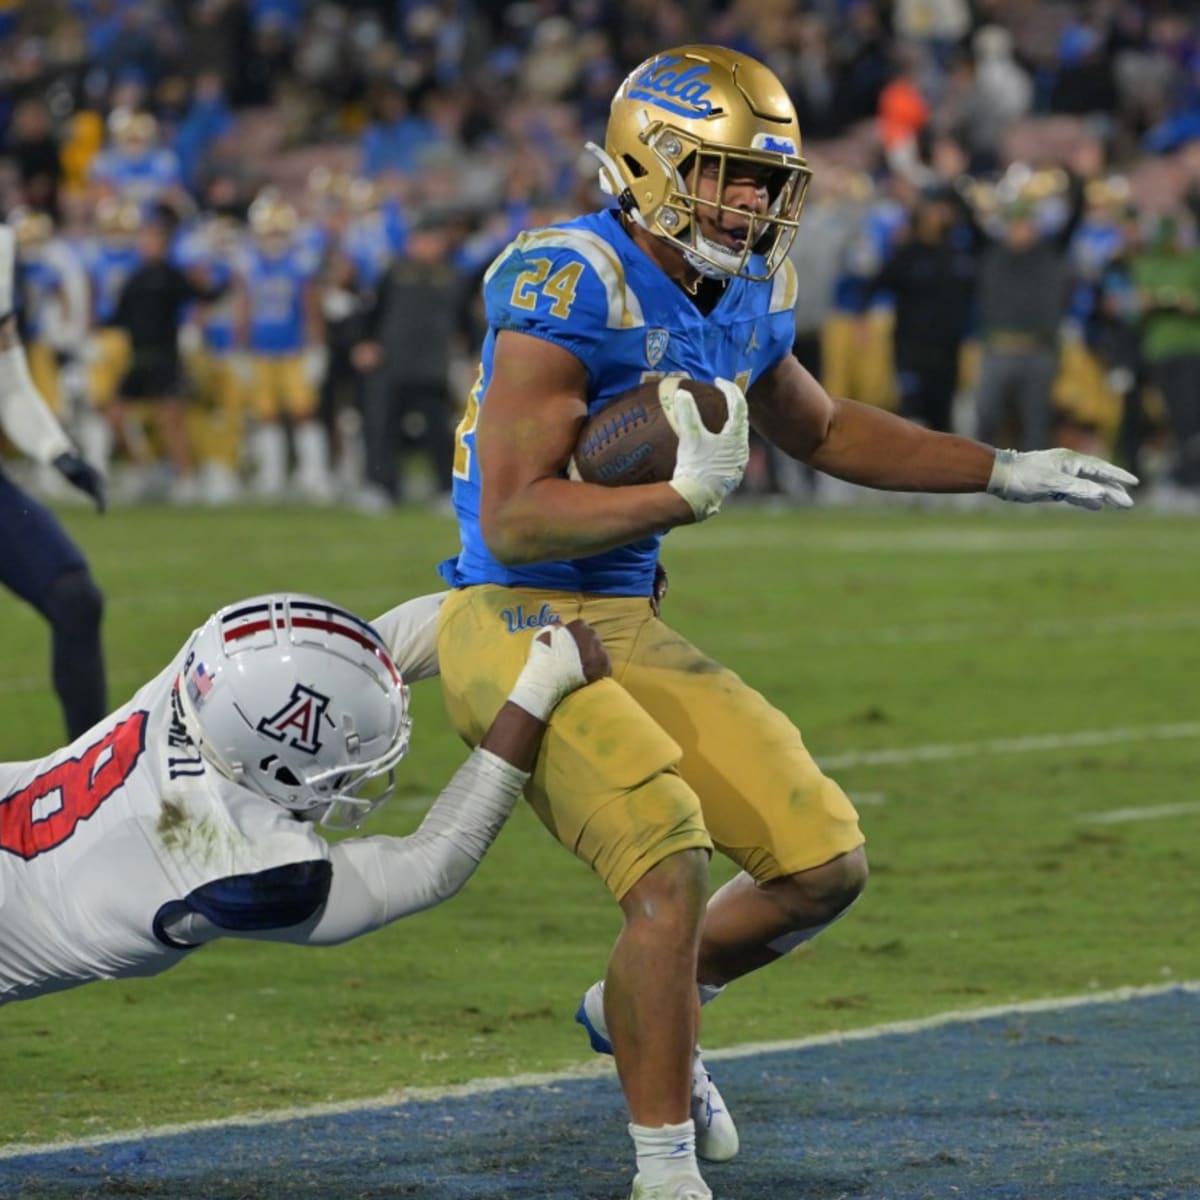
[[611, 185], [707, 267]]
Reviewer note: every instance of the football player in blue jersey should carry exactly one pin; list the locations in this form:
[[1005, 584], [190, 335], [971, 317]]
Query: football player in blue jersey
[[134, 166], [278, 320], [644, 773], [39, 562], [110, 258]]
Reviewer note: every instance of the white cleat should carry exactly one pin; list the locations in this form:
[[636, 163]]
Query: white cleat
[[689, 1187], [716, 1134]]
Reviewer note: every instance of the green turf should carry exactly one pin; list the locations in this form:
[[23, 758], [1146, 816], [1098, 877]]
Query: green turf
[[881, 629]]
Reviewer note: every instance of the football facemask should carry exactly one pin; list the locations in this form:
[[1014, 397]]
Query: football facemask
[[684, 125]]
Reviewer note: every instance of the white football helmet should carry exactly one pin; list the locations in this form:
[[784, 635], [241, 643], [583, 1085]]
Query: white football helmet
[[297, 699]]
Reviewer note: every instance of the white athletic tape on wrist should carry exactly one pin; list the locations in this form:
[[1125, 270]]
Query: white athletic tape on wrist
[[553, 671]]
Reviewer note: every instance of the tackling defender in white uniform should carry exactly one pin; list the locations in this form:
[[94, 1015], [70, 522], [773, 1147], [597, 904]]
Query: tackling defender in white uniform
[[191, 813]]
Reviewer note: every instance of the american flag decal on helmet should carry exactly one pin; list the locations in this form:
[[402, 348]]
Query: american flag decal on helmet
[[199, 684]]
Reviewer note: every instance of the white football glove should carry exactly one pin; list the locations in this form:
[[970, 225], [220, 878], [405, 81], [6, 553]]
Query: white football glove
[[1059, 475], [552, 671], [708, 466]]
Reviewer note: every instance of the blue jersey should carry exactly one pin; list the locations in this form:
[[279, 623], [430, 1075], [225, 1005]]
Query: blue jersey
[[142, 177], [195, 248], [275, 287], [371, 243], [588, 287], [39, 282], [109, 265], [1095, 244]]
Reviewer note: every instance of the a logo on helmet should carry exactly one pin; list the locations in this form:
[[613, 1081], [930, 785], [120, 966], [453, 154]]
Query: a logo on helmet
[[772, 143], [684, 93], [298, 722]]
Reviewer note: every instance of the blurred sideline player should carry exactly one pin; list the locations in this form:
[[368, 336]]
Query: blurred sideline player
[[280, 714], [39, 562], [110, 258], [134, 166], [644, 773], [279, 322], [50, 291], [218, 419], [150, 312]]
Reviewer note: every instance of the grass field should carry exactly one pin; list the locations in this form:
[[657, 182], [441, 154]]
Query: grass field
[[1010, 696]]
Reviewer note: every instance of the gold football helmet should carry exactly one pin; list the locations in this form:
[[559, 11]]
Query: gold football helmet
[[705, 109], [271, 216], [31, 229], [117, 219], [131, 130]]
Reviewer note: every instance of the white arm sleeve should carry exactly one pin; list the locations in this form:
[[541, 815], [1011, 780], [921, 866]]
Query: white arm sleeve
[[378, 879], [410, 633], [24, 415]]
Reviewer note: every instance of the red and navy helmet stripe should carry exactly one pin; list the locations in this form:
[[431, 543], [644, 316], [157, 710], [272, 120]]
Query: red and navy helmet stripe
[[325, 618]]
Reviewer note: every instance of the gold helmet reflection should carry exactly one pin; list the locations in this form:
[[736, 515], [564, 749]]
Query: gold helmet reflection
[[31, 229], [705, 106], [133, 130], [271, 217], [117, 218]]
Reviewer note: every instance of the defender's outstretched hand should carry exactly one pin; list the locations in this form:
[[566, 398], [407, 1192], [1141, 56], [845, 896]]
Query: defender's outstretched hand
[[561, 659], [1059, 475], [708, 466], [83, 475]]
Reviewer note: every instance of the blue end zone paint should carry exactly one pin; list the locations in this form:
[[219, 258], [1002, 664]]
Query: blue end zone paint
[[1093, 1103]]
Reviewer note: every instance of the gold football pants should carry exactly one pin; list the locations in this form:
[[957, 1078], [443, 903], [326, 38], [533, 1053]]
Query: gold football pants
[[673, 752]]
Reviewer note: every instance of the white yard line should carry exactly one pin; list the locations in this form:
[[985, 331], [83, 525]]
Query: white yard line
[[1015, 745], [1016, 537], [1121, 816], [950, 631], [974, 631], [602, 1066]]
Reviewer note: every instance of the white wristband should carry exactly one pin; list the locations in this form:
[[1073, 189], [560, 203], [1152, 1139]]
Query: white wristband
[[701, 498], [552, 672]]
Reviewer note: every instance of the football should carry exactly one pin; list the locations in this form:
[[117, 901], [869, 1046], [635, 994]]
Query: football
[[631, 440]]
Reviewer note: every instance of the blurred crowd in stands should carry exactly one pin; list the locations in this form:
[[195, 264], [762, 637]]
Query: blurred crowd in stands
[[251, 231]]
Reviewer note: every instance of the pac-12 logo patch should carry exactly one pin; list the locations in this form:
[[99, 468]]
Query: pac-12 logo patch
[[298, 722], [656, 345]]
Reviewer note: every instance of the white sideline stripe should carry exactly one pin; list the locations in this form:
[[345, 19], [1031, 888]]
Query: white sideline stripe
[[967, 631], [1119, 816], [1008, 539], [1015, 745], [602, 1066], [964, 631]]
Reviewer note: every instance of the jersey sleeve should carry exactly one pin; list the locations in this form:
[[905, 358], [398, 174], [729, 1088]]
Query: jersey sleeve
[[376, 880], [410, 633], [25, 418], [565, 286], [781, 323]]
